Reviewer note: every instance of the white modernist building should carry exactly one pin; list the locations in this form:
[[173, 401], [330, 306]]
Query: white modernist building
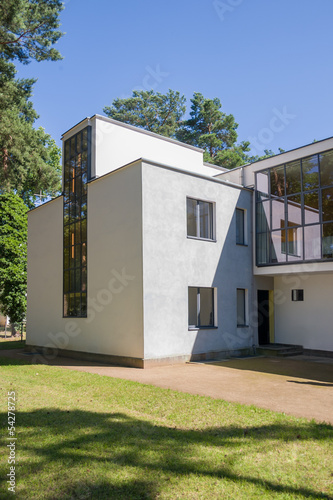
[[153, 256]]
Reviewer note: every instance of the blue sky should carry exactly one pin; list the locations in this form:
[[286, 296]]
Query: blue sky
[[269, 62]]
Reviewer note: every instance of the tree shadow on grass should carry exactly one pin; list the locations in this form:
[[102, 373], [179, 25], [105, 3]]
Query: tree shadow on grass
[[84, 455]]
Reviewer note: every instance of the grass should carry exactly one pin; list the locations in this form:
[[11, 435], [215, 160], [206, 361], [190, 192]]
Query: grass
[[12, 344], [86, 436]]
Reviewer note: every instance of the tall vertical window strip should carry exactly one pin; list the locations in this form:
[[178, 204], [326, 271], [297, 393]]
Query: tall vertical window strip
[[240, 226], [76, 174], [294, 212]]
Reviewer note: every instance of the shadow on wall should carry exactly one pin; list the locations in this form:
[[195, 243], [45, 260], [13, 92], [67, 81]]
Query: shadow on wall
[[234, 271]]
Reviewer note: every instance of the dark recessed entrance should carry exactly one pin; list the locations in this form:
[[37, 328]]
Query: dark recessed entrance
[[263, 317]]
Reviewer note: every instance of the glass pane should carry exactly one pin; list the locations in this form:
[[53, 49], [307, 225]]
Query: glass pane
[[294, 244], [206, 219], [326, 168], [66, 282], [191, 217], [84, 279], [278, 213], [72, 280], [72, 153], [239, 226], [263, 248], [72, 256], [277, 181], [192, 306], [78, 142], [84, 304], [78, 186], [312, 243], [240, 307], [84, 162], [66, 236], [327, 203], [85, 139], [77, 253], [66, 258], [84, 230], [83, 207], [328, 240], [293, 177], [67, 148], [206, 307], [262, 183], [76, 305], [84, 254], [311, 207], [278, 246], [310, 169], [294, 208], [263, 216]]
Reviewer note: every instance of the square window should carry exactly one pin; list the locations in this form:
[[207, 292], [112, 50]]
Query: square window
[[200, 219], [240, 227], [241, 307], [297, 295], [200, 307]]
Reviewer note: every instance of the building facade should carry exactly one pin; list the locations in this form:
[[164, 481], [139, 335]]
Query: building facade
[[151, 256]]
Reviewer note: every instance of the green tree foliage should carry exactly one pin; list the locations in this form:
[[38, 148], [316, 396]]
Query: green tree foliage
[[13, 256], [214, 131], [28, 29], [159, 113], [29, 158], [208, 127]]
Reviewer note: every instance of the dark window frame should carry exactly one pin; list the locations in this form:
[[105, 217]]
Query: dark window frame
[[198, 324], [265, 255], [211, 219]]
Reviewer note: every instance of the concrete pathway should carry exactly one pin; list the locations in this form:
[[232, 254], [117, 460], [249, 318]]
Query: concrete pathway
[[301, 386]]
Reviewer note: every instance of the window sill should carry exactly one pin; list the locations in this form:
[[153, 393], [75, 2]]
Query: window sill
[[200, 239], [195, 328], [242, 244], [242, 326]]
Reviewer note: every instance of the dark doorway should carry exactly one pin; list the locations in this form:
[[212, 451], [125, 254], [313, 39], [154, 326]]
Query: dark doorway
[[263, 317]]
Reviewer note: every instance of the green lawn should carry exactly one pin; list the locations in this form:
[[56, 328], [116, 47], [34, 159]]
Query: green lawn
[[12, 344], [85, 436]]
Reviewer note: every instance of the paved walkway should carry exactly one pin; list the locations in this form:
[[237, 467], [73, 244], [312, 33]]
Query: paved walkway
[[300, 386]]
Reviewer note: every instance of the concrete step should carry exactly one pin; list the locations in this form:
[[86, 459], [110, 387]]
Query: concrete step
[[282, 350]]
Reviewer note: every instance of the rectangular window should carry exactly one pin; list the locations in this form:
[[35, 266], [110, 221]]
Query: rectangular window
[[200, 219], [241, 307], [289, 239], [240, 226], [200, 307]]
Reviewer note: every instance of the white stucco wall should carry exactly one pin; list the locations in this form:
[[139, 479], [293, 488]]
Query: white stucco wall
[[308, 323], [173, 262], [118, 144], [115, 313]]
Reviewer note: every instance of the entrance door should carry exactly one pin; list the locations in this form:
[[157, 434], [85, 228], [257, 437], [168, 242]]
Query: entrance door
[[263, 317]]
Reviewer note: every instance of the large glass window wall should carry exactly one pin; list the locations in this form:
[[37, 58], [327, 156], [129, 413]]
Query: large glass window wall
[[294, 211], [76, 173]]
